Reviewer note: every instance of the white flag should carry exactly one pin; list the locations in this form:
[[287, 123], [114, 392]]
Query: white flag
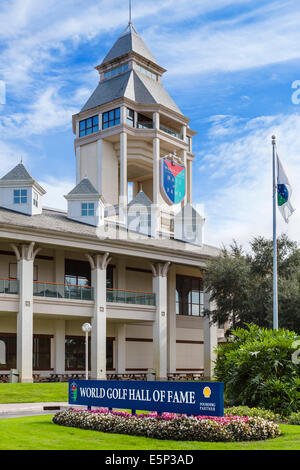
[[284, 192]]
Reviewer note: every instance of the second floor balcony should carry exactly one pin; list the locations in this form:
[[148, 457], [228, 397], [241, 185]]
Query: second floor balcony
[[63, 291], [9, 286], [75, 292], [130, 297], [171, 132]]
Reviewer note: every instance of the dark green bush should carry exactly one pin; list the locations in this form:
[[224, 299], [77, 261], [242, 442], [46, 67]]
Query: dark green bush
[[257, 369]]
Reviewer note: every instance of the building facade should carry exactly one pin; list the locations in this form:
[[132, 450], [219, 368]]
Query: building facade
[[127, 256]]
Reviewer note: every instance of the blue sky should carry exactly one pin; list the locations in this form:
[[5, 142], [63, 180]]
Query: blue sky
[[231, 65]]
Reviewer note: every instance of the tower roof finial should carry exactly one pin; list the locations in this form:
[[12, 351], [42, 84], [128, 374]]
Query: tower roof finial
[[130, 26], [130, 12]]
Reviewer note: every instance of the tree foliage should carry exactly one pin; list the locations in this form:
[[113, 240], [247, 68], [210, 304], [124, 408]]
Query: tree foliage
[[241, 284]]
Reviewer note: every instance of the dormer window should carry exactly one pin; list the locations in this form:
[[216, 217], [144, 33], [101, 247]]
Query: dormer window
[[87, 209], [111, 118], [116, 71], [20, 196], [89, 126]]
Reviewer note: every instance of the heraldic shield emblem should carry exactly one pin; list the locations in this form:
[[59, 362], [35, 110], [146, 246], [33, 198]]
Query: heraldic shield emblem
[[172, 178]]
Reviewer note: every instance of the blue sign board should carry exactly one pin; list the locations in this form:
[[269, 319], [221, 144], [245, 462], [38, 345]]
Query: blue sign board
[[192, 398]]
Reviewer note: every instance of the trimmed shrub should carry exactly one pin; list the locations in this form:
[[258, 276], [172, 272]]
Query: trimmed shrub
[[251, 412], [295, 418], [257, 369], [170, 426]]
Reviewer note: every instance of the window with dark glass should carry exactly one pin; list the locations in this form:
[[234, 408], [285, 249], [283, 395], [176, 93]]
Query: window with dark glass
[[111, 118], [110, 277], [77, 273], [8, 351], [189, 296], [130, 117], [41, 352], [144, 122], [109, 353], [89, 126], [75, 353]]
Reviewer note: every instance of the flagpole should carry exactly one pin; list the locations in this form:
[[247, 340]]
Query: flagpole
[[275, 281]]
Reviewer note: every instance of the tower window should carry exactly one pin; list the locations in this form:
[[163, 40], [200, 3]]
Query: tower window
[[20, 196], [89, 126], [116, 71], [87, 209], [147, 72], [130, 117], [111, 118]]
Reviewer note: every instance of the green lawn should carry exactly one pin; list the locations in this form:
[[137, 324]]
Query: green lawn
[[33, 393], [39, 433]]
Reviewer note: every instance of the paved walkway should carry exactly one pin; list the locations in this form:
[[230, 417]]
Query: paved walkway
[[27, 407], [19, 410]]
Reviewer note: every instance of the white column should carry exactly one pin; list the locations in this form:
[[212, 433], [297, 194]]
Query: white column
[[185, 199], [172, 320], [190, 181], [25, 255], [123, 176], [160, 339], [156, 121], [155, 210], [210, 342], [99, 265], [78, 165], [59, 345], [123, 115], [156, 155], [99, 166], [121, 348]]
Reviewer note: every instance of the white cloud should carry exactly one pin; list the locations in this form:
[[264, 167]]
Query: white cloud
[[10, 156], [241, 172], [265, 36], [56, 190], [49, 111]]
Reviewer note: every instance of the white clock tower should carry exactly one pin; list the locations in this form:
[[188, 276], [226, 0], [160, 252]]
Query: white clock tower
[[128, 125]]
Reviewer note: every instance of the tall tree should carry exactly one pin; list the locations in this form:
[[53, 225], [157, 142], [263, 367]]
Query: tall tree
[[241, 284]]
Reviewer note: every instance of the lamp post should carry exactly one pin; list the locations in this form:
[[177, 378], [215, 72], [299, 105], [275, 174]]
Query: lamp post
[[86, 328]]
